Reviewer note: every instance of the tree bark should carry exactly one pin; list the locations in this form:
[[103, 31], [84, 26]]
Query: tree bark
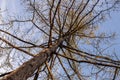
[[27, 69]]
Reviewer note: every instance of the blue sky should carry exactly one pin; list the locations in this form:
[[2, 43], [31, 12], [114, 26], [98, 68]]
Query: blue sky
[[112, 24], [12, 6]]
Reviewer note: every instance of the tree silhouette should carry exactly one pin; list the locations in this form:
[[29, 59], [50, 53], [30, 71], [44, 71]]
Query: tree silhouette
[[46, 42]]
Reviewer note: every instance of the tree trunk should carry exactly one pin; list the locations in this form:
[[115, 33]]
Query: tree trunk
[[28, 68]]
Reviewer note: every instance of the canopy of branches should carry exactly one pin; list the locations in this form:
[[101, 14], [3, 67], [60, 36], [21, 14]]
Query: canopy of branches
[[57, 40]]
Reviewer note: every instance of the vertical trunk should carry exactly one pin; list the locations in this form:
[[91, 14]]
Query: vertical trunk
[[28, 68]]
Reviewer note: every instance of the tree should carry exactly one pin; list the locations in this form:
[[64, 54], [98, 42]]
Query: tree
[[46, 41]]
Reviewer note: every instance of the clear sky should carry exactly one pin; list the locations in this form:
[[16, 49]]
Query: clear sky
[[12, 6], [112, 24]]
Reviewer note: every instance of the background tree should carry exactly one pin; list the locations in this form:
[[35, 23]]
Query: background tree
[[47, 40]]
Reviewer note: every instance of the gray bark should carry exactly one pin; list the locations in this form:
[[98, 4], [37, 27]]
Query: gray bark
[[28, 68]]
